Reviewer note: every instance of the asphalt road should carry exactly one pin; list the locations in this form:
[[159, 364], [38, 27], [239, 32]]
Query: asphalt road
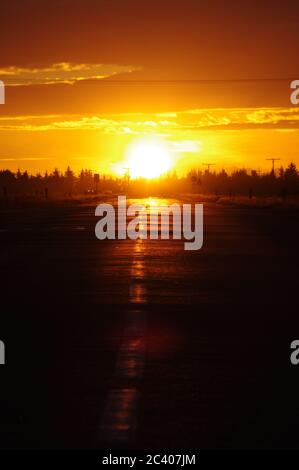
[[140, 344]]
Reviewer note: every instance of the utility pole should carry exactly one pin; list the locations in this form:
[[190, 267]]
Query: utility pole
[[273, 160], [208, 166], [127, 175]]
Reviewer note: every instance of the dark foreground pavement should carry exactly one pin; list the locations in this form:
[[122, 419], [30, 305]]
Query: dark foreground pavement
[[144, 345]]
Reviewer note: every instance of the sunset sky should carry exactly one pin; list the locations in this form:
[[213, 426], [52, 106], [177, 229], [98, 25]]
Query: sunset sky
[[208, 80]]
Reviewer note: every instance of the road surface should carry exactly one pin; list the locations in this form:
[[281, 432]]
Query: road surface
[[140, 344]]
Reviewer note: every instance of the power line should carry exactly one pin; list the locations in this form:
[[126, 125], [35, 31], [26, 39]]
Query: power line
[[145, 82], [187, 80]]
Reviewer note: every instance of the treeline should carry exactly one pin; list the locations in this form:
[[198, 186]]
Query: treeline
[[55, 183], [283, 183], [241, 182]]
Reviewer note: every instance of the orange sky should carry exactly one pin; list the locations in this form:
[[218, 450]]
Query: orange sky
[[211, 79]]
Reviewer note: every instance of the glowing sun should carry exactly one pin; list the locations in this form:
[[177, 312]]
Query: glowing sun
[[148, 159]]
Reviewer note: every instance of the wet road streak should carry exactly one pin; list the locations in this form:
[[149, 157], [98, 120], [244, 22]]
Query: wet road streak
[[120, 420]]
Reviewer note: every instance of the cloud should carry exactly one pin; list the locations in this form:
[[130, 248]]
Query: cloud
[[23, 159], [109, 124], [186, 146], [190, 120], [62, 72], [274, 116], [235, 118]]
